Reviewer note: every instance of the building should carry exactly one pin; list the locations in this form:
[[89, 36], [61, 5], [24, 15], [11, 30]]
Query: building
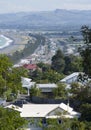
[[17, 108], [79, 77], [45, 88], [35, 113], [26, 83], [48, 111], [30, 67], [43, 112], [70, 78]]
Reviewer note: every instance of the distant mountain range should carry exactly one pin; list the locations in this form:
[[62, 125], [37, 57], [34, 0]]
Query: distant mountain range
[[58, 18]]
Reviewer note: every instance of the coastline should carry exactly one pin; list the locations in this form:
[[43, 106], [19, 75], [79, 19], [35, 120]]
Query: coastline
[[19, 40], [8, 42]]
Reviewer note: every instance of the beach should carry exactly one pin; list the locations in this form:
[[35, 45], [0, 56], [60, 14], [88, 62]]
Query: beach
[[7, 43], [16, 41]]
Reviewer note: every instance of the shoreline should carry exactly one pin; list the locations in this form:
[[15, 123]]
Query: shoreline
[[8, 42], [19, 40]]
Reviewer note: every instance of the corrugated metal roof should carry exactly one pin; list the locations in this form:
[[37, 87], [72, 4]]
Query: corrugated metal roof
[[46, 85], [42, 110]]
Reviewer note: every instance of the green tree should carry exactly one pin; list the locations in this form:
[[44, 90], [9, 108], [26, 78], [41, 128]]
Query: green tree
[[46, 75], [75, 89], [80, 92], [85, 51], [60, 91], [44, 67], [5, 64], [36, 75], [85, 110], [58, 62], [10, 78], [34, 91], [10, 119], [52, 76], [72, 64]]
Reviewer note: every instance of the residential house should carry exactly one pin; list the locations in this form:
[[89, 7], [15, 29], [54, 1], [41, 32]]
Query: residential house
[[48, 111], [46, 88], [70, 78], [78, 77], [30, 67], [35, 113], [26, 83], [14, 107]]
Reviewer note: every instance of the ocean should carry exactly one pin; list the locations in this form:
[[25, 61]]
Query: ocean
[[4, 41]]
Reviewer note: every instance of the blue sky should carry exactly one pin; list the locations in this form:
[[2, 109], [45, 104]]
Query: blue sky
[[42, 5]]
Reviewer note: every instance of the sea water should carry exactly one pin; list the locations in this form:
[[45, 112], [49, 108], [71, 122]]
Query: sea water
[[4, 41]]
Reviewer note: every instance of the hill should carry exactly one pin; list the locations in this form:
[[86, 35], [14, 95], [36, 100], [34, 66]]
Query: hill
[[45, 19]]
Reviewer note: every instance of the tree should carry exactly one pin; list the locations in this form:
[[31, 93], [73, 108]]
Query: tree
[[60, 91], [85, 50], [34, 91], [80, 92], [58, 62], [10, 119], [85, 110], [10, 78], [5, 64], [52, 76], [75, 89], [72, 64], [44, 67]]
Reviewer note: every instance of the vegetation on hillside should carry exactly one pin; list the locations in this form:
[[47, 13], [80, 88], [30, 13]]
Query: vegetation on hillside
[[10, 78], [10, 119]]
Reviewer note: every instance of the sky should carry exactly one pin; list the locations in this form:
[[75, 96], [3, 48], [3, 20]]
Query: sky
[[12, 6]]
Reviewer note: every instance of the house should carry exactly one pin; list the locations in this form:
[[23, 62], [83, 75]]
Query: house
[[48, 111], [45, 111], [14, 107], [79, 77], [35, 113], [30, 67], [70, 78], [45, 88], [26, 83]]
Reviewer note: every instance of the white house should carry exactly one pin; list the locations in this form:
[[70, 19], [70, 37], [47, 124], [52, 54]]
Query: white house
[[35, 113], [45, 111], [14, 107], [45, 88], [70, 78], [26, 83], [48, 111], [78, 77]]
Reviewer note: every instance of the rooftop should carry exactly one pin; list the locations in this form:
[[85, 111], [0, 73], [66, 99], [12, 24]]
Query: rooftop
[[49, 85], [46, 110], [75, 74]]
